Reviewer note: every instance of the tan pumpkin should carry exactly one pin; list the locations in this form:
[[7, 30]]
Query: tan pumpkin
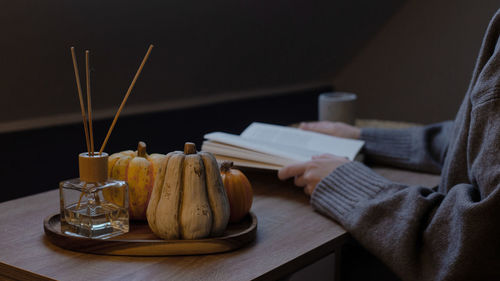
[[188, 200], [139, 170], [238, 189]]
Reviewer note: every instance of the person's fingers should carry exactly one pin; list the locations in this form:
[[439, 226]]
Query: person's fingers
[[305, 190], [292, 170], [299, 181], [324, 156], [308, 189], [312, 125]]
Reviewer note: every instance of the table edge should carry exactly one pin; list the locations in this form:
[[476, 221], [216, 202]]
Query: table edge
[[15, 273]]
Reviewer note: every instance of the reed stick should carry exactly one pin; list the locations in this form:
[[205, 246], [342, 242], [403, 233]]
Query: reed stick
[[89, 101], [79, 88], [125, 99]]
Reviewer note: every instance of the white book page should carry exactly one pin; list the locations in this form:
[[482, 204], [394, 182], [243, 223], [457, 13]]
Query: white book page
[[311, 141], [237, 162], [255, 145], [243, 153]]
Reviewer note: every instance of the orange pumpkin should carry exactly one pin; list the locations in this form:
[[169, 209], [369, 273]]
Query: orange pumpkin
[[239, 191], [139, 170]]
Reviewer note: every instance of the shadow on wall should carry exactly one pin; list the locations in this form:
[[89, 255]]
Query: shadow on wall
[[37, 160], [202, 48], [418, 66]]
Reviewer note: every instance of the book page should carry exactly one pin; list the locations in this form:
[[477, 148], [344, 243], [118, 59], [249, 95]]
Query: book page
[[255, 145], [243, 153], [238, 162], [300, 139], [272, 146]]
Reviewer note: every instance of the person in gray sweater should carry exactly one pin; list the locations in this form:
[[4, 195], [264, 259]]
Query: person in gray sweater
[[451, 232]]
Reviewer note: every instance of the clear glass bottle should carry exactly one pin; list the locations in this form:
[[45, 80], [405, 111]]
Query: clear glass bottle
[[94, 206]]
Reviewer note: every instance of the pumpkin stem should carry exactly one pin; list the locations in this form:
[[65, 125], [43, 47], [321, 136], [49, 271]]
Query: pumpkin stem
[[226, 165], [141, 149], [189, 148]]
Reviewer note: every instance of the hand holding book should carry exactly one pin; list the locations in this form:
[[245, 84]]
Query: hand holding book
[[309, 174]]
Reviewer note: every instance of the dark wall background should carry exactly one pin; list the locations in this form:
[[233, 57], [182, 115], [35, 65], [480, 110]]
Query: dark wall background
[[216, 65], [203, 49], [37, 160], [418, 66]]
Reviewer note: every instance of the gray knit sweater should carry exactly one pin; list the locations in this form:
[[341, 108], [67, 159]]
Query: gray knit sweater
[[451, 232]]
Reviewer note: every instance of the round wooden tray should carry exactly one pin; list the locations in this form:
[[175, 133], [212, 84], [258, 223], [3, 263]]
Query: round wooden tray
[[140, 241]]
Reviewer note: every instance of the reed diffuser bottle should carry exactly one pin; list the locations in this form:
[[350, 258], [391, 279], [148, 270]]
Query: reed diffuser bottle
[[94, 206]]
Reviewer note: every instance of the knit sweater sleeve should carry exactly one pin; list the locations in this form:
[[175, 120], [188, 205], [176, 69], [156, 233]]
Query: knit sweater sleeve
[[418, 148], [421, 234]]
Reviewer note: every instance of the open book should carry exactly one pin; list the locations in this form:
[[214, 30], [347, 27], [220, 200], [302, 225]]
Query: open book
[[267, 146]]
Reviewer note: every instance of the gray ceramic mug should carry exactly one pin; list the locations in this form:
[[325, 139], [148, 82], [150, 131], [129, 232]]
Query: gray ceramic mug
[[337, 107]]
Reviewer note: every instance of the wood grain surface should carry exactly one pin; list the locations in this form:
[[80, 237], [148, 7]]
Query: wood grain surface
[[140, 240], [290, 235]]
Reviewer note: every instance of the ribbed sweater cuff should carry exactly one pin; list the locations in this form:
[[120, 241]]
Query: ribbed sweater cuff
[[339, 192], [387, 145]]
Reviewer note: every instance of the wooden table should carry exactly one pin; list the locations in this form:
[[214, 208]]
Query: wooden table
[[290, 235]]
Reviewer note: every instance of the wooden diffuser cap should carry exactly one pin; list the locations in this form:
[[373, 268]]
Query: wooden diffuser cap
[[93, 168]]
